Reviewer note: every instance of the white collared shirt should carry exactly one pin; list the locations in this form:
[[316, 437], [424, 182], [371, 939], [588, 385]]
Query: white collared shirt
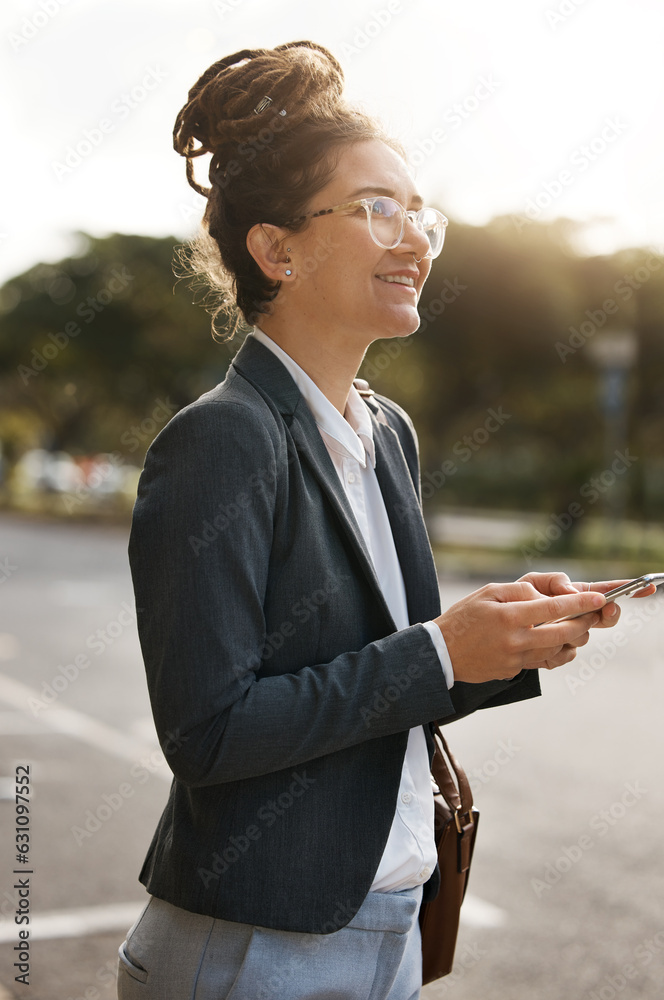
[[410, 853]]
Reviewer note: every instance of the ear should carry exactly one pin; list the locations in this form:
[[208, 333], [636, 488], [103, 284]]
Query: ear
[[265, 243]]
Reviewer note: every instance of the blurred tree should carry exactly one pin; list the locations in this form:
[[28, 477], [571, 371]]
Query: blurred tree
[[96, 346]]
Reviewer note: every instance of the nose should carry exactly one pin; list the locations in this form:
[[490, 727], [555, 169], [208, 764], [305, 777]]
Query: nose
[[414, 238]]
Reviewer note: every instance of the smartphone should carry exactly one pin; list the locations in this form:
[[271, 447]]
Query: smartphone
[[624, 591]]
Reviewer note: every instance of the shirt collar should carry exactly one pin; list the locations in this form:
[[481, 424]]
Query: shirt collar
[[350, 434]]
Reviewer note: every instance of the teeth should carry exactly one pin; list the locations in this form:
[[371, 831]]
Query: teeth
[[399, 279]]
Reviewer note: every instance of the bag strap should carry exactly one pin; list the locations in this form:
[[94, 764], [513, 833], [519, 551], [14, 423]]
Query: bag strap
[[452, 782]]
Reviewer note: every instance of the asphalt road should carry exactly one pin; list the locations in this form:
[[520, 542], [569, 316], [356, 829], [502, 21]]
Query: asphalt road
[[567, 887]]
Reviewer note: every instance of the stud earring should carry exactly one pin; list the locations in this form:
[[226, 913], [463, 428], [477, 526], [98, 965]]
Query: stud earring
[[289, 272]]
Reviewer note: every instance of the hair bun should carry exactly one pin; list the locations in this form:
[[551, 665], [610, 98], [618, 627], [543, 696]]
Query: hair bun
[[302, 79]]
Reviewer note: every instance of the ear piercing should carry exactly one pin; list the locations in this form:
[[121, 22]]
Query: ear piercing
[[288, 272]]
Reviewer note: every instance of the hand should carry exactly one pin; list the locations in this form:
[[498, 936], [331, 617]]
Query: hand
[[492, 633], [552, 584]]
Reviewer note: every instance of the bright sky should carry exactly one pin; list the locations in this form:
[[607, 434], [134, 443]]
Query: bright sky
[[526, 107]]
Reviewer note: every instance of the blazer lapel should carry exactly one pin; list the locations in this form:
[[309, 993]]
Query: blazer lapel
[[408, 528], [311, 446]]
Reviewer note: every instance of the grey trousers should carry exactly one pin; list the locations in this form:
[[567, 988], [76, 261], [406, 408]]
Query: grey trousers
[[172, 954]]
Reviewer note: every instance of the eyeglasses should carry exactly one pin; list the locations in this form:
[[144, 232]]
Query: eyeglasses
[[387, 222]]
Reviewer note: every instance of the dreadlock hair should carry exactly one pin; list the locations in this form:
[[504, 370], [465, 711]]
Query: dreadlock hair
[[274, 121]]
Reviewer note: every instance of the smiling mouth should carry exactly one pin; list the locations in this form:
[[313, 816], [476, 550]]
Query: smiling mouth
[[397, 279]]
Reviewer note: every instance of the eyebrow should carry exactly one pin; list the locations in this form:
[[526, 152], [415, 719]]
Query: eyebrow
[[372, 189]]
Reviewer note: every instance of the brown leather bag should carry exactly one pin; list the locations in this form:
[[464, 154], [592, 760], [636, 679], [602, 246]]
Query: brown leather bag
[[455, 830]]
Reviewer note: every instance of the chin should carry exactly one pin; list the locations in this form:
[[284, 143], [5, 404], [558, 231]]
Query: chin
[[403, 325]]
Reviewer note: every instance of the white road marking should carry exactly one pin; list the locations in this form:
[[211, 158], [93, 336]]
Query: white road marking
[[477, 912], [82, 727], [74, 923]]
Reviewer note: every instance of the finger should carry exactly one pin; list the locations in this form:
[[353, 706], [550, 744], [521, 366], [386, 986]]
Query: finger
[[604, 586], [646, 591], [560, 583], [557, 634], [550, 584], [601, 586], [610, 615], [550, 609], [566, 654], [580, 641]]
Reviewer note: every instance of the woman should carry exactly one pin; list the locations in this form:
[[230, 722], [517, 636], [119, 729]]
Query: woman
[[287, 598]]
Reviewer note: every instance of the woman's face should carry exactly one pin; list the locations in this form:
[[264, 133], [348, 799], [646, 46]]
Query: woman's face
[[341, 283]]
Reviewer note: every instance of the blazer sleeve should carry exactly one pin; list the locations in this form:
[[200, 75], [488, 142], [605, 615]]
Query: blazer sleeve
[[200, 572]]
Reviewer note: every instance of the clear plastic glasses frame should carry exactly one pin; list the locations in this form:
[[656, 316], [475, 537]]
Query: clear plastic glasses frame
[[385, 214]]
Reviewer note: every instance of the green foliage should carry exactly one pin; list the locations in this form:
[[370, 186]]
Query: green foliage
[[89, 347]]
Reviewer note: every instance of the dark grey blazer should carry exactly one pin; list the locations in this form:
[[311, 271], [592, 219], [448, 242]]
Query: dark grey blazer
[[281, 691]]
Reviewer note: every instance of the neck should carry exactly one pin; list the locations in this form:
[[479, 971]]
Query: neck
[[332, 362]]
